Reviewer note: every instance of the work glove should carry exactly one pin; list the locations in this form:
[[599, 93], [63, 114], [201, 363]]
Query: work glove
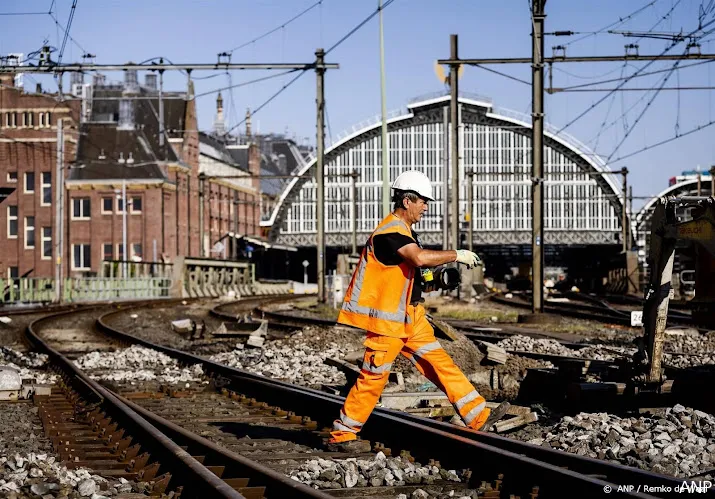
[[468, 258]]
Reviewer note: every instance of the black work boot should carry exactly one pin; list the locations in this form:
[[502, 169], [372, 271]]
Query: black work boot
[[496, 414], [351, 446]]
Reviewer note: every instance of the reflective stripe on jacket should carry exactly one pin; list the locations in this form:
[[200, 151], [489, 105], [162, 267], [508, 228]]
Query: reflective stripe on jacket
[[377, 297]]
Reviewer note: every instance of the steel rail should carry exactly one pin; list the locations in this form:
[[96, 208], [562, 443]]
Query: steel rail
[[166, 441], [587, 312], [442, 441], [187, 471]]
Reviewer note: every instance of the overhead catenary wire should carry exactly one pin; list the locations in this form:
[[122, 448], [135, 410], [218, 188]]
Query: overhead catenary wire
[[281, 26], [621, 78], [662, 142], [245, 83], [73, 9], [60, 26], [645, 109], [608, 112], [643, 68], [621, 20], [502, 74], [302, 72]]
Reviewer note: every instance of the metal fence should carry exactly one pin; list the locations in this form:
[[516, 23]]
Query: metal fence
[[126, 280], [27, 290]]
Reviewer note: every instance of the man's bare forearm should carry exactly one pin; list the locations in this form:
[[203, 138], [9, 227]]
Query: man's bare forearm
[[434, 258]]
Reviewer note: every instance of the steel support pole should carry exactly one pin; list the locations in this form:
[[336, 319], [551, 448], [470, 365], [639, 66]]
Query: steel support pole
[[235, 225], [59, 204], [537, 156], [700, 182], [454, 141], [383, 98], [319, 174], [445, 178], [188, 215], [470, 209], [630, 200], [712, 180], [161, 119], [353, 195], [125, 207], [624, 211], [202, 185]]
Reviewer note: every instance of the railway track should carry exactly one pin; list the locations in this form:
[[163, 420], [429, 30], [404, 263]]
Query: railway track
[[391, 431], [594, 312], [151, 437]]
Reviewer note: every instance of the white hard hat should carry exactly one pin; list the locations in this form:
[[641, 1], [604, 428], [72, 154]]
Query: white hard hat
[[416, 182]]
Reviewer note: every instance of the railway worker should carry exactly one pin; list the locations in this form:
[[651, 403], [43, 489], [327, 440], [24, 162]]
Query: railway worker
[[384, 298]]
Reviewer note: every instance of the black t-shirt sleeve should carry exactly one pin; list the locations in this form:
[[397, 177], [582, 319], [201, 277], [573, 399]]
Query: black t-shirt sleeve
[[386, 246]]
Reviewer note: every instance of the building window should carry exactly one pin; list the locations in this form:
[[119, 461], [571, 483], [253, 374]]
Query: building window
[[29, 182], [13, 272], [136, 205], [48, 120], [10, 120], [29, 232], [81, 259], [12, 222], [46, 188], [107, 205], [30, 119], [80, 208], [41, 119], [120, 251], [12, 177], [107, 253], [120, 205], [46, 243], [137, 251]]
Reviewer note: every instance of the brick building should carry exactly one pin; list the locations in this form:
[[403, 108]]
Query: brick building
[[227, 165], [116, 146], [28, 161]]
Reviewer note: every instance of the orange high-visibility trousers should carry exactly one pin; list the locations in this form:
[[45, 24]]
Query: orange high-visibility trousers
[[425, 352]]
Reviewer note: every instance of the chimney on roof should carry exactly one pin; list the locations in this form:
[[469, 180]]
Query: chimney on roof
[[131, 80], [150, 82], [76, 79], [126, 104], [126, 114], [98, 79], [38, 88], [76, 84], [248, 122]]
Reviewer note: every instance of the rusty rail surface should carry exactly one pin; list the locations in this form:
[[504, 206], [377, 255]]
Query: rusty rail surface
[[94, 427], [455, 447]]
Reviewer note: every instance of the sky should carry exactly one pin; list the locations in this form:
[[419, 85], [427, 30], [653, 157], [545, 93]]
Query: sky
[[416, 35]]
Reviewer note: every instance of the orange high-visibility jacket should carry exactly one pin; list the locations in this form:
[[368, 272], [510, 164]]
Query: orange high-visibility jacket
[[377, 297]]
